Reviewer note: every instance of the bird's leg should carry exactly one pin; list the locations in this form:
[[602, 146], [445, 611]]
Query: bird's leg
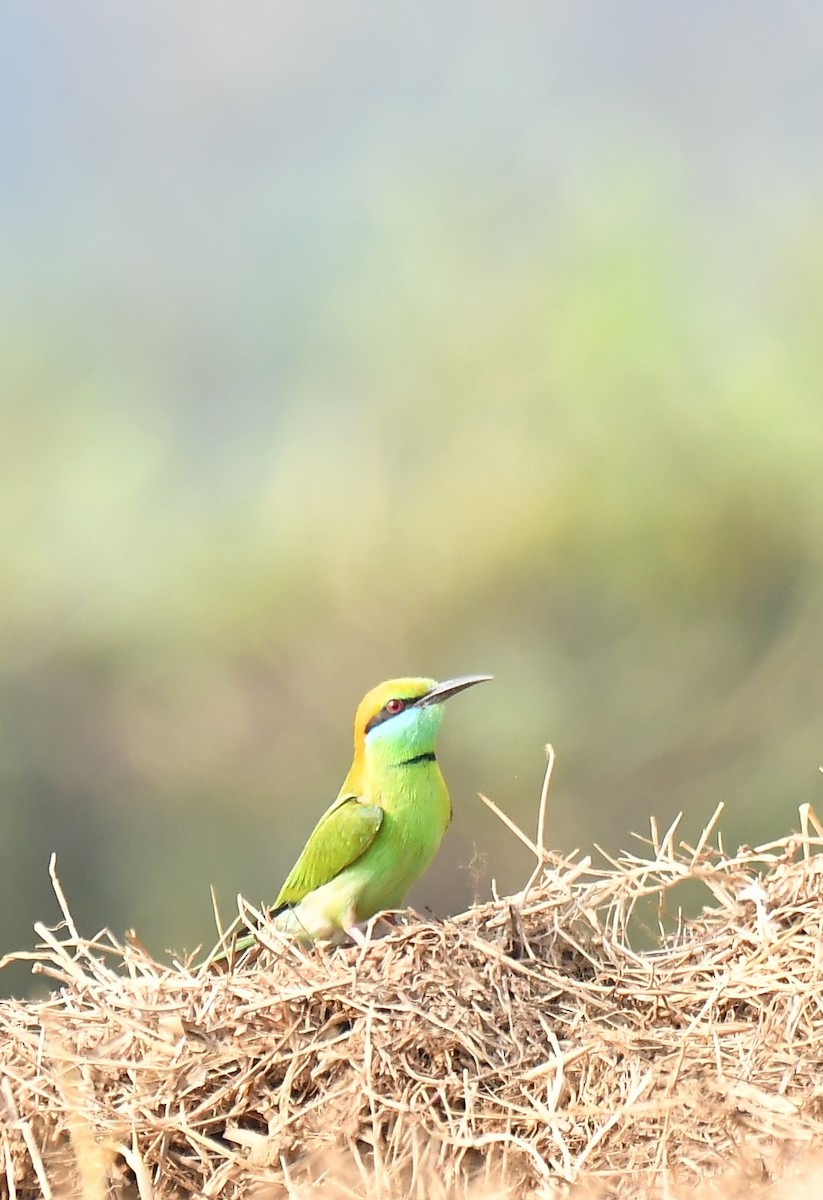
[[351, 927]]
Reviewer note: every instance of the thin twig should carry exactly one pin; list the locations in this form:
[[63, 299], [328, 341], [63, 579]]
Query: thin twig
[[510, 825], [61, 899]]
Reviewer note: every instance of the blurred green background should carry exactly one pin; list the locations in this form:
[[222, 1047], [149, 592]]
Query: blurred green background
[[346, 341]]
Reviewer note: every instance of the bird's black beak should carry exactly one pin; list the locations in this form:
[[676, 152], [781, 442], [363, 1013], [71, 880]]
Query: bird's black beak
[[444, 691]]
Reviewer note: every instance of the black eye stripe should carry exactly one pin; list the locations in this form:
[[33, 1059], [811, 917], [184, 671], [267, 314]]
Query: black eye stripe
[[385, 715]]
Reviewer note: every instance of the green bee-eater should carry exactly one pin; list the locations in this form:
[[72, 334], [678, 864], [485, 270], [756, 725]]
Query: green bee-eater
[[383, 829]]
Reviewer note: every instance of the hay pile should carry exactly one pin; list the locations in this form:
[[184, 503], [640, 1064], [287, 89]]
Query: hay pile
[[523, 1045]]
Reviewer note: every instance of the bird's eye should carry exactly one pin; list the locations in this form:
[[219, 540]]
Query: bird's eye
[[395, 706]]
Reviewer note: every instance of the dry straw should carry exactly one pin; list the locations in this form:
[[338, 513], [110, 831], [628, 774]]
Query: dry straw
[[527, 1047]]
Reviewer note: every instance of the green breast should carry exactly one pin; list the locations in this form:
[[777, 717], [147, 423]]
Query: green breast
[[417, 811]]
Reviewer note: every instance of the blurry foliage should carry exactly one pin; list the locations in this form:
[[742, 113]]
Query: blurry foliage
[[578, 458]]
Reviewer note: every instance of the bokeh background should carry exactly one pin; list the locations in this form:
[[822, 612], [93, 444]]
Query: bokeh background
[[346, 341]]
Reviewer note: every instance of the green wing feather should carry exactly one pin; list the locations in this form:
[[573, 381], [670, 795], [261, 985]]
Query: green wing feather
[[343, 833]]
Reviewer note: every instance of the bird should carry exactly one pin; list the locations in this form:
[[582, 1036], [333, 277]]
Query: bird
[[386, 824]]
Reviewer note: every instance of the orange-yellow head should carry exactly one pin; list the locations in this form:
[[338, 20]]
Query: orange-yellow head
[[398, 720]]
